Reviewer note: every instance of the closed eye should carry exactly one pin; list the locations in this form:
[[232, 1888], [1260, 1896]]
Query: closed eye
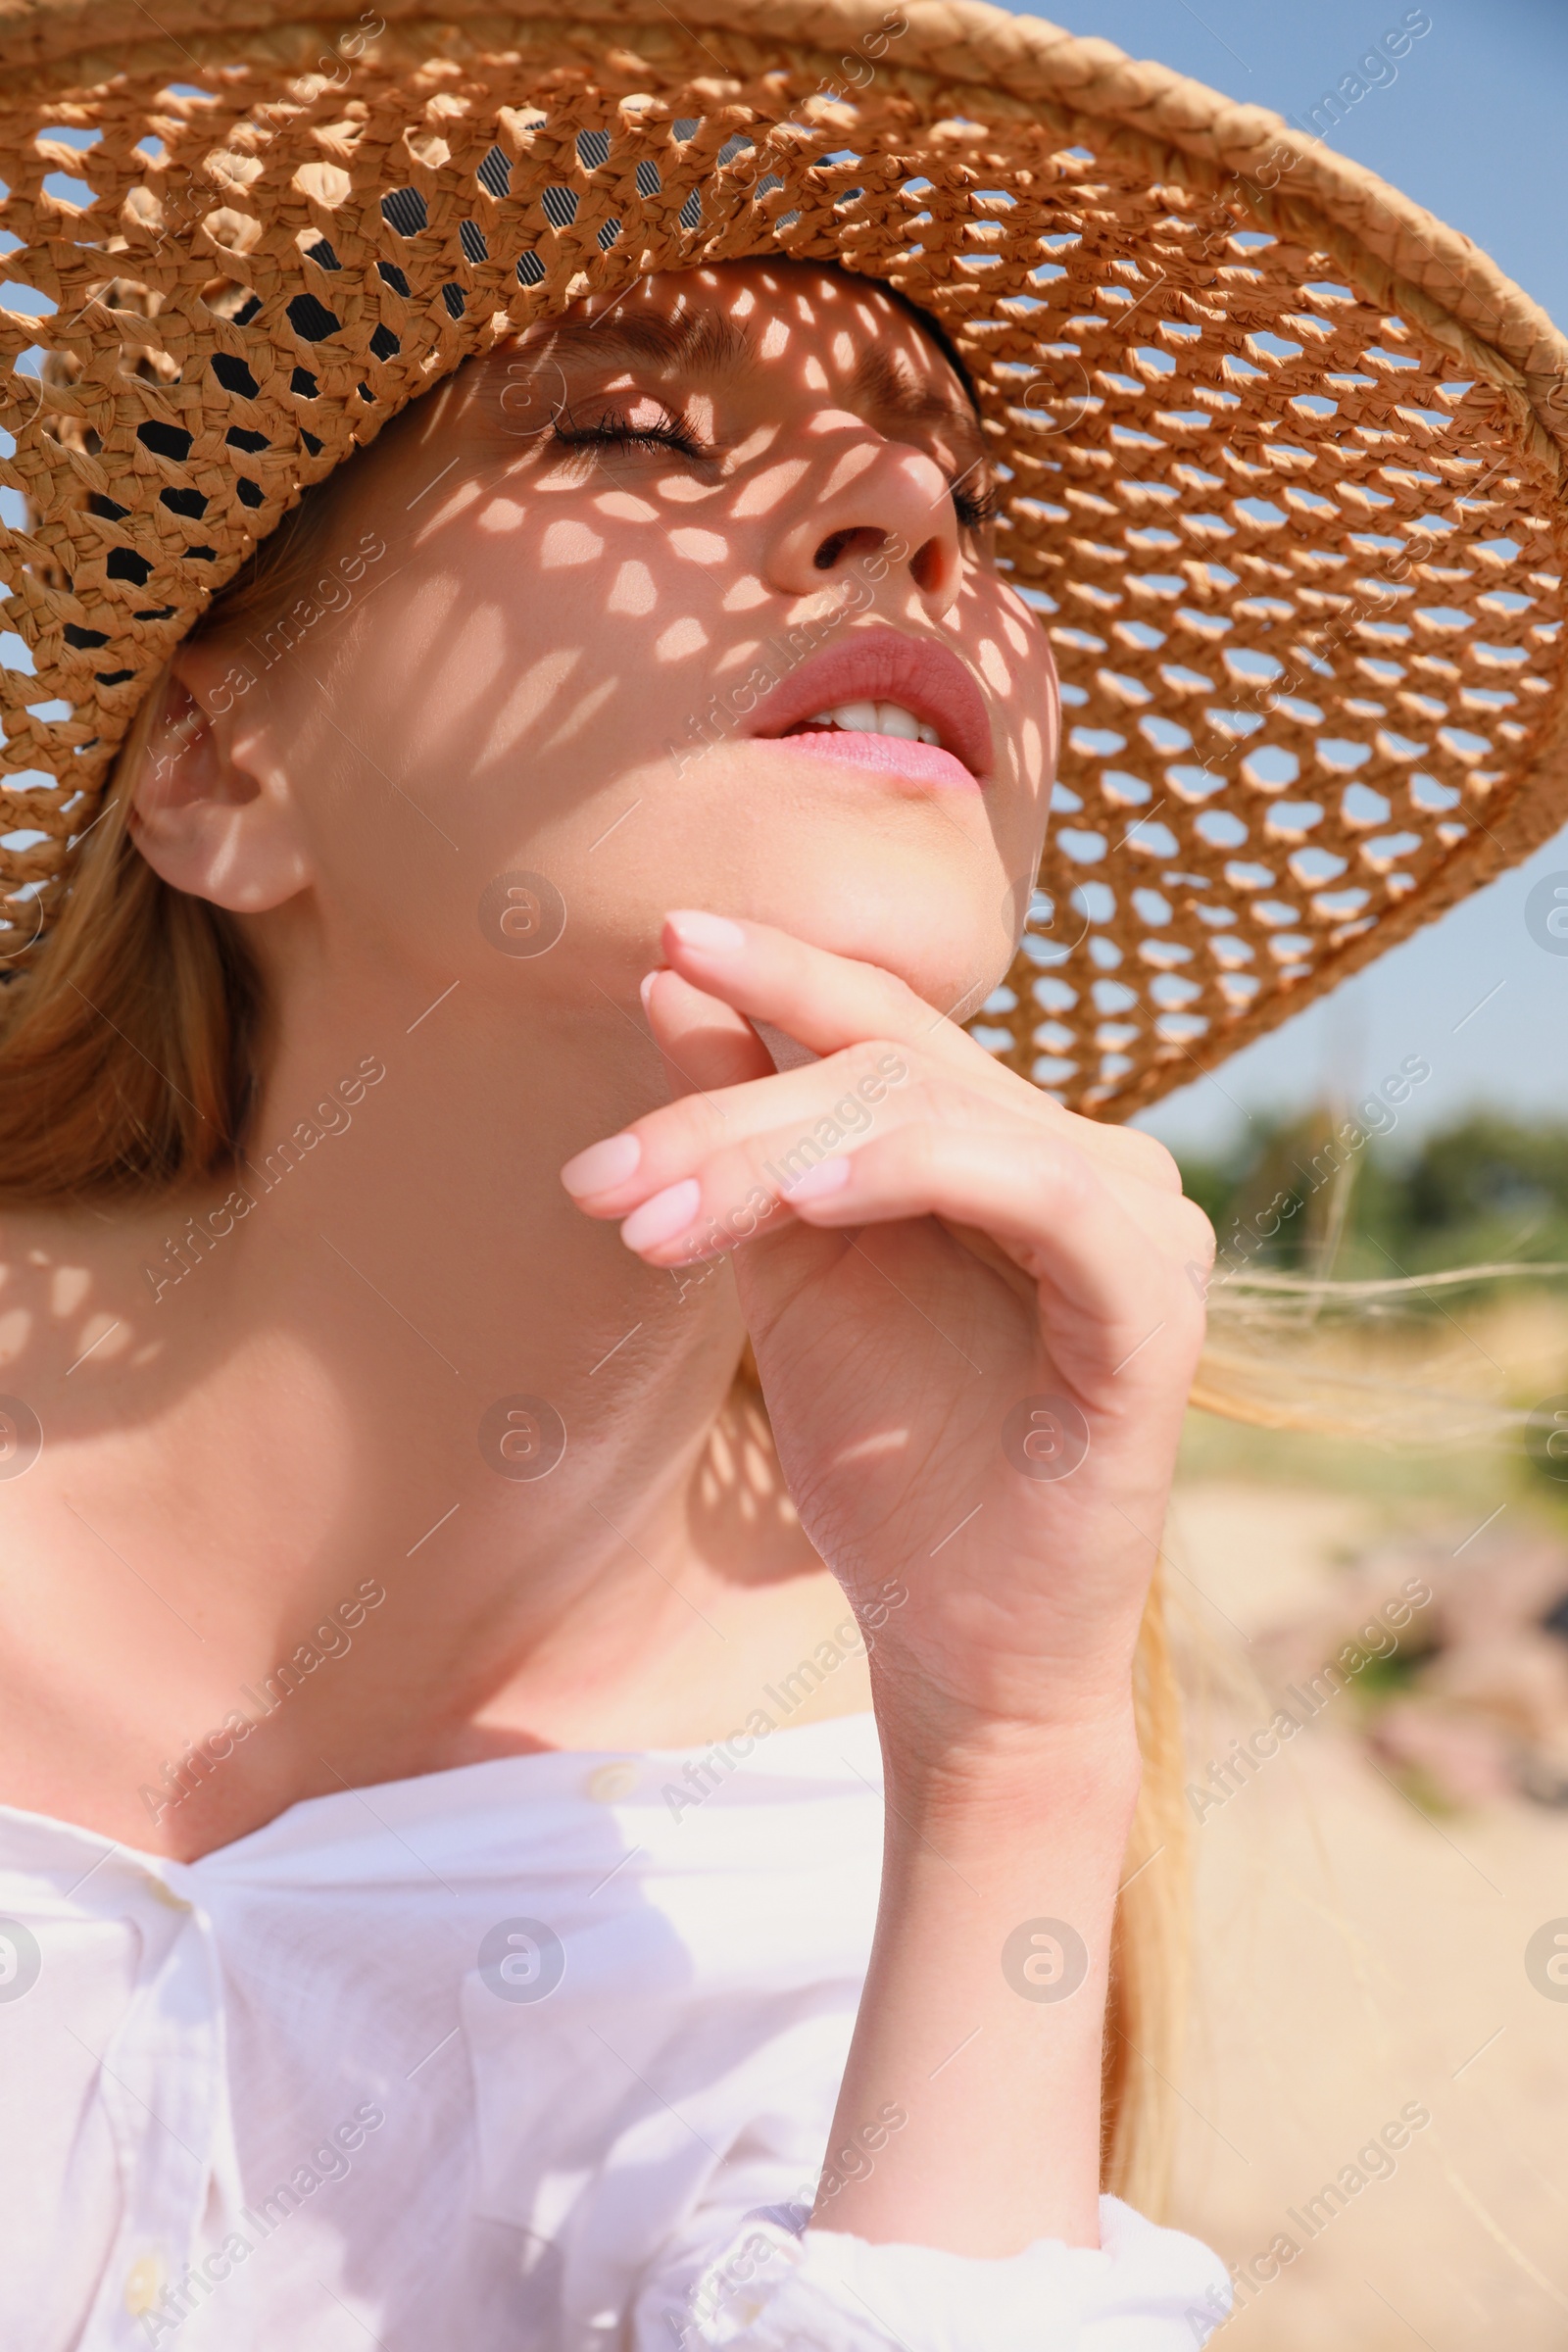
[[613, 429], [975, 500], [974, 494]]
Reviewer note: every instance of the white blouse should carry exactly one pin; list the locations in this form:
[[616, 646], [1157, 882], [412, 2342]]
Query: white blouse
[[536, 2055]]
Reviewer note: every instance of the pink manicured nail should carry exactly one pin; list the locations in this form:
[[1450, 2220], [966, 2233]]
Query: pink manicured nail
[[829, 1176], [708, 934], [665, 1215], [645, 986], [603, 1164]]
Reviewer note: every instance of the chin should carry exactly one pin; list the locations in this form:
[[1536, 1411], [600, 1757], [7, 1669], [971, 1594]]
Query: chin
[[946, 934], [891, 878]]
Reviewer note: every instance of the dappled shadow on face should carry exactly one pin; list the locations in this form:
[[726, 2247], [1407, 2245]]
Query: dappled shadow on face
[[612, 544]]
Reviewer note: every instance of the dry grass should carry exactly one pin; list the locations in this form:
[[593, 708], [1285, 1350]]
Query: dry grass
[[1359, 1953]]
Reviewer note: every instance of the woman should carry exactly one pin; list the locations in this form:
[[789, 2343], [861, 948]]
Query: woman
[[445, 1743]]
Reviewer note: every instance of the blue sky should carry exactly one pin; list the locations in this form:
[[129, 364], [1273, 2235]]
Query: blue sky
[[1474, 128]]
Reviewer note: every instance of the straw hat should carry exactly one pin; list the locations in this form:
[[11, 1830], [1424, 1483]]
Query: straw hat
[[1283, 455]]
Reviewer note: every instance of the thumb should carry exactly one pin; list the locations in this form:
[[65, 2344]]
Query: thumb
[[705, 1045]]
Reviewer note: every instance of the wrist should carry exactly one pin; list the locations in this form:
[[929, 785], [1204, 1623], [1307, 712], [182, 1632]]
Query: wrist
[[1015, 1774]]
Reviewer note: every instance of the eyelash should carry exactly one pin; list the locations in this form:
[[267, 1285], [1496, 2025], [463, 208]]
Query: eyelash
[[614, 432], [974, 509]]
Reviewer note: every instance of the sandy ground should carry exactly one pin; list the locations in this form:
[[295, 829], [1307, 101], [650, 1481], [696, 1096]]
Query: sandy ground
[[1357, 1957]]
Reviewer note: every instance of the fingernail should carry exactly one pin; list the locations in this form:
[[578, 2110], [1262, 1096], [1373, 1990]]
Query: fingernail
[[829, 1176], [603, 1164], [645, 986], [660, 1218], [710, 934]]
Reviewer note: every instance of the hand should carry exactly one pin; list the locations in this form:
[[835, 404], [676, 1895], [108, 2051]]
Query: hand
[[975, 1317]]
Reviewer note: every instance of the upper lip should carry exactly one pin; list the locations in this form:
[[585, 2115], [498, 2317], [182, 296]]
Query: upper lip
[[883, 666]]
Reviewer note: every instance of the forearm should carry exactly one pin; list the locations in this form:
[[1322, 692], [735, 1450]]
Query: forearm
[[965, 2029]]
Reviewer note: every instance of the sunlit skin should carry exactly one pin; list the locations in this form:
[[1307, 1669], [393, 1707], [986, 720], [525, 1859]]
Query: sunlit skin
[[510, 690]]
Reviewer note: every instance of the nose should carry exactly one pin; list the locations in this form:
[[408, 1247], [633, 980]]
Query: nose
[[868, 496]]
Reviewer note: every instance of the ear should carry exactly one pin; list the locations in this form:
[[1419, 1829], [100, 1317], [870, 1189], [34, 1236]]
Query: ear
[[209, 814]]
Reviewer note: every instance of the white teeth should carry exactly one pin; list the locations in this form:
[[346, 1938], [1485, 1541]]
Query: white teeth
[[876, 718], [860, 718]]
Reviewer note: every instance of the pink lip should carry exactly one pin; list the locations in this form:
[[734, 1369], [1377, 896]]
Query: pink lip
[[883, 666], [892, 754]]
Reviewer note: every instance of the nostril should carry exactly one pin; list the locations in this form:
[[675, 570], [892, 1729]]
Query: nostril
[[927, 567], [838, 543]]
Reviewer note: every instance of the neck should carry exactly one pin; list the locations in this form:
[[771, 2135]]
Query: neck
[[313, 1383]]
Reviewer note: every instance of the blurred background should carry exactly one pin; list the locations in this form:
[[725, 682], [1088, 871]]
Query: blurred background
[[1383, 1892]]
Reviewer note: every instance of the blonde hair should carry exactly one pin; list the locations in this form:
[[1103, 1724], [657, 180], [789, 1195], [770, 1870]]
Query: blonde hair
[[1150, 1940], [131, 1048]]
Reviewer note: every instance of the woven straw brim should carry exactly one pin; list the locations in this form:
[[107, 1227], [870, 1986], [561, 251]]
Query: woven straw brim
[[1282, 457]]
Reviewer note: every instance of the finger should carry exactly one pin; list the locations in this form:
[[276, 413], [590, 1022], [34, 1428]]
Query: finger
[[825, 1103], [706, 1046], [831, 1105], [1036, 1196], [828, 1002], [825, 1001], [1030, 1190]]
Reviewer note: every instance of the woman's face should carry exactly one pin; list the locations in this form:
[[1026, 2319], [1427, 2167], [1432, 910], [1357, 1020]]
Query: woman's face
[[625, 566]]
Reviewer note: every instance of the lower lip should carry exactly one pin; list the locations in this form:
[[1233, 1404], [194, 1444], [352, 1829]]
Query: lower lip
[[890, 754]]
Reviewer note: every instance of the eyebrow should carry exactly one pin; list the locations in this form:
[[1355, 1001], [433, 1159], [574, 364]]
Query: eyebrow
[[702, 341], [693, 341], [884, 380]]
